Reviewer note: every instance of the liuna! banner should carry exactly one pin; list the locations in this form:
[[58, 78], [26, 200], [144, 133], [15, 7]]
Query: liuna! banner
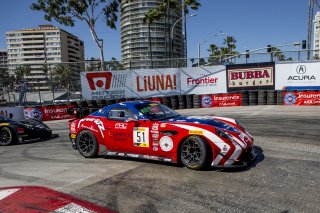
[[301, 98], [221, 100]]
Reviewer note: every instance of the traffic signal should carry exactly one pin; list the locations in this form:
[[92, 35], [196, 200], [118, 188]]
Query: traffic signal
[[304, 44], [269, 48], [247, 54]]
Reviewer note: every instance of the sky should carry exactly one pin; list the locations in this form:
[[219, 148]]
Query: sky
[[253, 23]]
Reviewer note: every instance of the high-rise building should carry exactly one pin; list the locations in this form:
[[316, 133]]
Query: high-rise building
[[316, 35], [135, 46], [3, 58], [44, 45]]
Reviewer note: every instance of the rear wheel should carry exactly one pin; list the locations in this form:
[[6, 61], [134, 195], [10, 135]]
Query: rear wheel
[[6, 136], [87, 144], [195, 153]]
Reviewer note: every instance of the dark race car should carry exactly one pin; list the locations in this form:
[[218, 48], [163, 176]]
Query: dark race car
[[148, 130], [12, 132]]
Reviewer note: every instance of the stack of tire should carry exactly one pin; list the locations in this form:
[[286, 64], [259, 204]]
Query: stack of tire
[[196, 101], [174, 102], [271, 97], [245, 98], [253, 97], [279, 97], [262, 97], [189, 99], [93, 106], [182, 101], [84, 107]]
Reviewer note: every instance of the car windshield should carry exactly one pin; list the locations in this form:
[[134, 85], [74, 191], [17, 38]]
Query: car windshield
[[155, 111]]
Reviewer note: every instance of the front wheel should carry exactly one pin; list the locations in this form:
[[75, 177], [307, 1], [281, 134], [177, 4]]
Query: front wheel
[[87, 144], [195, 153], [6, 136]]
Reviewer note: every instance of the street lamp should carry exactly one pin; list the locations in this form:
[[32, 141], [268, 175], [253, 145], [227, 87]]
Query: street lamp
[[171, 35], [221, 33]]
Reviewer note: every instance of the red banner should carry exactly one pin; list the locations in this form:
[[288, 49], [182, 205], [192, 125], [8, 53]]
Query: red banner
[[49, 113], [301, 98], [221, 100]]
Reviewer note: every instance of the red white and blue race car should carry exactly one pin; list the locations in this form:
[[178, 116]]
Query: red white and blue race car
[[148, 130]]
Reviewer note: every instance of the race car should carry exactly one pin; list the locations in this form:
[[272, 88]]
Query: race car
[[12, 132], [148, 130]]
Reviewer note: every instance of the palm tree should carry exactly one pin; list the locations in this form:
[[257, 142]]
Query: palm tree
[[194, 5], [278, 54], [149, 17], [62, 76]]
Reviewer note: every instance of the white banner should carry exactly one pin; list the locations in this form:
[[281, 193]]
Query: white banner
[[106, 85], [15, 113], [156, 82], [203, 80], [298, 76]]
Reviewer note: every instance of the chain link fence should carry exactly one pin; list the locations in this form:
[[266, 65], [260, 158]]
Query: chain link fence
[[53, 83]]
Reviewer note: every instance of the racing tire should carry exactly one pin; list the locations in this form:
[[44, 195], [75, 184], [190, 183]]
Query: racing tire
[[6, 136], [87, 144], [195, 153]]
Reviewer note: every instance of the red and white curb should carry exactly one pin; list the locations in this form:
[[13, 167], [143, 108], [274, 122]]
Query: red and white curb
[[33, 199]]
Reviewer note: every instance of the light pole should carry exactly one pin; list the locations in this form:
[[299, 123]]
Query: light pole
[[171, 35], [221, 33]]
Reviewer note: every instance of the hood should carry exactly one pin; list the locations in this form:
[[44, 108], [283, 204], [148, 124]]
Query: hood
[[207, 120]]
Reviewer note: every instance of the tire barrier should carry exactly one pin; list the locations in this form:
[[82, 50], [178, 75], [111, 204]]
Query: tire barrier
[[196, 101], [189, 99], [84, 105], [279, 97], [174, 102], [182, 101], [245, 98], [262, 97], [271, 97], [166, 101], [253, 98], [102, 103]]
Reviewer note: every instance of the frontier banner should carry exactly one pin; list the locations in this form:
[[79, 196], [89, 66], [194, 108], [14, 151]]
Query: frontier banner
[[301, 98], [250, 76]]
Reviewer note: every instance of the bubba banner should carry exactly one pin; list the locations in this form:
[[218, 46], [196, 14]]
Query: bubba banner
[[48, 113], [221, 100], [250, 76], [301, 98]]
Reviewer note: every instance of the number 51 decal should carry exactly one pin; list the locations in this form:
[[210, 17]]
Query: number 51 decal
[[141, 137]]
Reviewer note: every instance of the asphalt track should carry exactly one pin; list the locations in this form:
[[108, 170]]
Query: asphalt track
[[284, 178]]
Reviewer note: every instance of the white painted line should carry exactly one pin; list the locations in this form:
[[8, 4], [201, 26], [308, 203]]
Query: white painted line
[[72, 208], [7, 192]]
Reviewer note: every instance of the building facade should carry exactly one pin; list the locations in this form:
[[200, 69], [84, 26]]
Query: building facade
[[316, 35], [44, 46], [135, 48]]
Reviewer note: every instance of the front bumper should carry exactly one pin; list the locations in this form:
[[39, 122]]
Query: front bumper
[[73, 140], [246, 158]]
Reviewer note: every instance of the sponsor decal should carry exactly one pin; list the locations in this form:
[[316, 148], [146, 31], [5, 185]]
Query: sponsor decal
[[111, 153], [133, 155], [167, 160], [163, 125], [156, 82], [206, 101], [301, 98], [155, 127], [99, 80], [73, 136], [73, 127], [121, 154], [195, 132], [155, 136], [120, 126], [141, 137], [155, 148], [250, 77], [166, 143], [98, 122], [4, 124]]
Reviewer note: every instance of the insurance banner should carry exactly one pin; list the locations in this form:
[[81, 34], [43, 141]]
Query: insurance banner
[[48, 113], [221, 100], [257, 76], [106, 85], [298, 76], [156, 82], [203, 80], [301, 98]]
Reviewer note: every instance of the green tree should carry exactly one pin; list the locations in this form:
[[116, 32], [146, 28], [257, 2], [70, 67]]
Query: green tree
[[21, 72], [62, 76], [66, 12], [219, 54], [114, 64], [149, 17], [188, 4], [278, 54]]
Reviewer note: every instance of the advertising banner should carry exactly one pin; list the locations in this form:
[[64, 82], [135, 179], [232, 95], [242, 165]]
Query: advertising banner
[[301, 98], [298, 76], [48, 113], [221, 100], [203, 80], [156, 82], [106, 85], [250, 76], [15, 113]]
